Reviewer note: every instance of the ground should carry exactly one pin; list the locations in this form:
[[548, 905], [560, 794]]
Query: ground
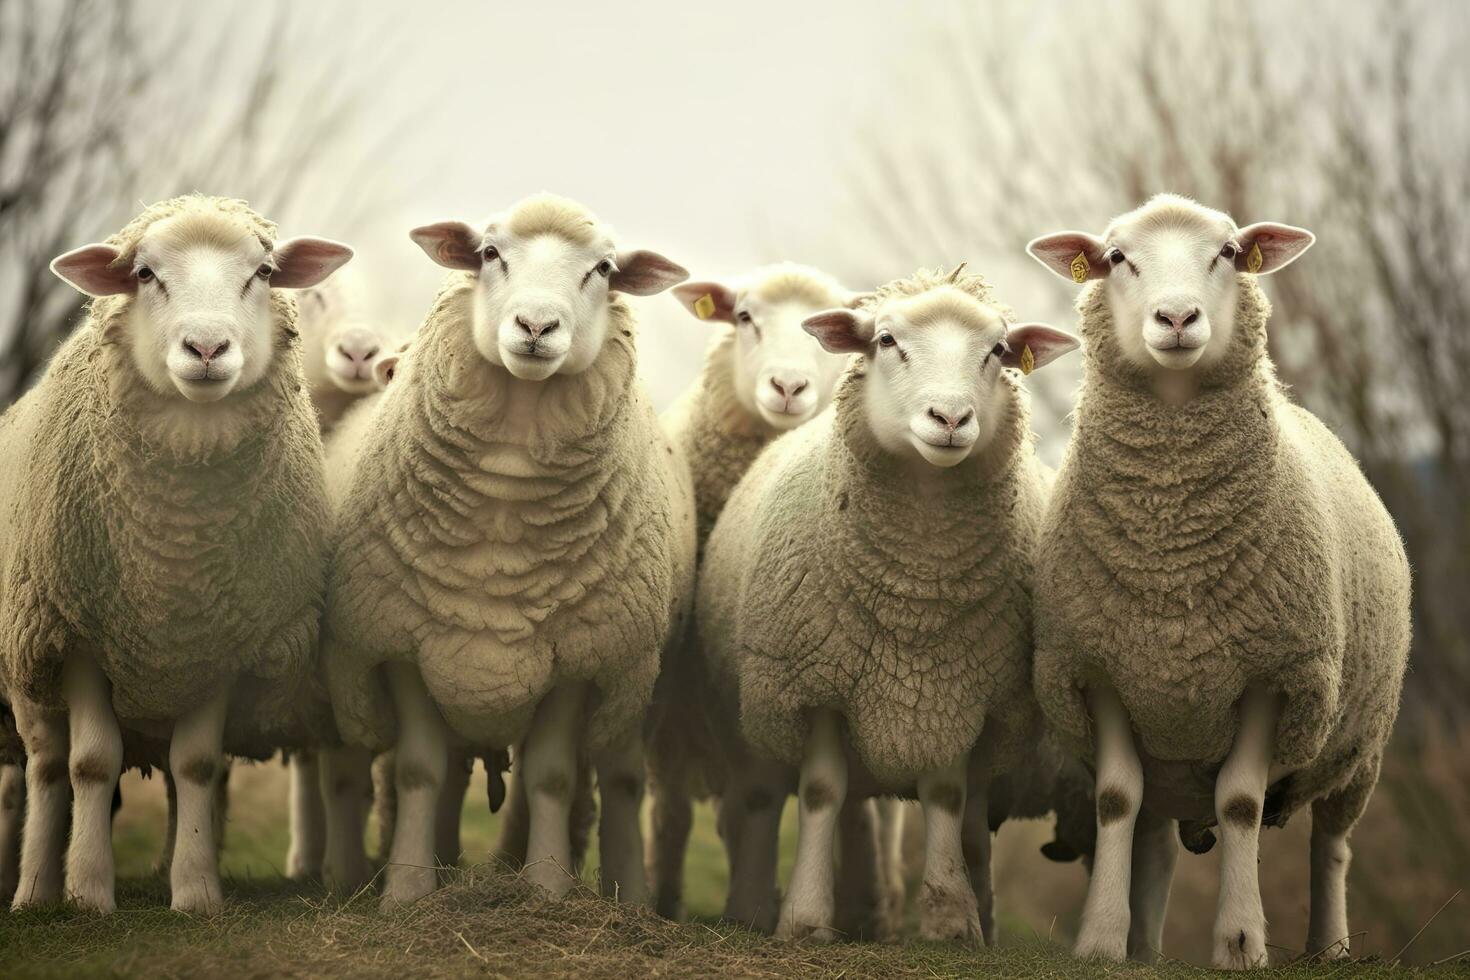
[[488, 923]]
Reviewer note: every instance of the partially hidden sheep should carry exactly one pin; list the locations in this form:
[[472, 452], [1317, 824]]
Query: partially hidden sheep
[[526, 540], [161, 546], [1215, 575], [762, 375], [342, 338], [867, 585]]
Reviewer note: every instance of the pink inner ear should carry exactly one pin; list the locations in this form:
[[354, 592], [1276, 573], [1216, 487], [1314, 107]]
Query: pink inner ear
[[839, 331], [91, 270], [719, 306], [302, 262]]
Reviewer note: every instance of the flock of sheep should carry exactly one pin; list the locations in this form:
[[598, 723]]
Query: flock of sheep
[[835, 568]]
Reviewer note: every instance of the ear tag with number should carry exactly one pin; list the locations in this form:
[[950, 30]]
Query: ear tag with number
[[1254, 260], [1080, 267], [704, 307], [1028, 360]]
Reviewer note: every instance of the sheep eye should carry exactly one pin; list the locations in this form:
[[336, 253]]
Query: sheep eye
[[264, 271], [886, 340], [1115, 257], [744, 317], [1229, 251], [491, 253], [999, 350], [604, 268], [144, 273]]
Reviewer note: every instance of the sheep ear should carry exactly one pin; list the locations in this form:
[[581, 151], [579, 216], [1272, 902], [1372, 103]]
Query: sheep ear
[[302, 262], [1073, 255], [707, 300], [384, 368], [1034, 344], [92, 270], [841, 331], [452, 244], [644, 273], [1269, 246]]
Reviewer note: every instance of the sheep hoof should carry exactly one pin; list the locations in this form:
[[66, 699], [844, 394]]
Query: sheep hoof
[[951, 917], [406, 885], [198, 898], [1102, 944], [807, 922], [94, 896], [1240, 947]]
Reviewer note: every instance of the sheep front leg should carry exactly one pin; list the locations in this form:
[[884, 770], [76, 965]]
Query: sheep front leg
[[620, 781], [447, 846], [196, 760], [808, 910], [1240, 791], [750, 814], [344, 790], [550, 774], [307, 816], [48, 793], [419, 762], [96, 764], [947, 904], [673, 820], [1105, 915], [12, 817], [976, 843], [1155, 851], [515, 815]]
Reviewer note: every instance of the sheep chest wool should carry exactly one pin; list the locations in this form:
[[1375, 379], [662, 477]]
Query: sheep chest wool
[[832, 584], [507, 555], [178, 566], [1189, 552]]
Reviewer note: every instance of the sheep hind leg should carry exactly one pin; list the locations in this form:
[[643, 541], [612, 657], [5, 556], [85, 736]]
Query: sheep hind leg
[[620, 782], [673, 820], [808, 910], [948, 909], [1155, 851], [96, 763], [861, 899], [12, 817], [1240, 792], [550, 772], [750, 812], [515, 816], [1105, 914], [308, 819], [345, 787], [1333, 818], [419, 762], [447, 842], [976, 844], [196, 761]]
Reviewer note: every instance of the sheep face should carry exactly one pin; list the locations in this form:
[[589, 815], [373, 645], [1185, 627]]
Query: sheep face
[[545, 271], [200, 320], [1170, 273], [933, 388], [781, 374], [346, 352]]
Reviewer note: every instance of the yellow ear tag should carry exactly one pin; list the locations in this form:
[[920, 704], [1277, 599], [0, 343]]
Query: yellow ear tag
[[1254, 260], [704, 307], [1028, 360], [1080, 267]]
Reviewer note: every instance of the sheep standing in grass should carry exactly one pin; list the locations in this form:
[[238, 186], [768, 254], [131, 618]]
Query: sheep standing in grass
[[763, 375], [161, 550], [526, 545], [1223, 601], [868, 583]]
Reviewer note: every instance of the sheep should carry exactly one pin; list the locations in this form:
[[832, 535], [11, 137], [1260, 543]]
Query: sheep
[[867, 586], [161, 554], [12, 802], [342, 340], [526, 546], [763, 375], [1223, 600]]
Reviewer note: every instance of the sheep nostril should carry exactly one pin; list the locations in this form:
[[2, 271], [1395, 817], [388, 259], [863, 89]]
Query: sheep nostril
[[779, 387], [371, 353], [964, 418], [1164, 318], [942, 419], [1193, 316], [798, 388], [205, 352], [547, 327]]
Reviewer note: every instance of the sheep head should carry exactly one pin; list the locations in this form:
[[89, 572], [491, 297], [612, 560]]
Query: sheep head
[[780, 373], [545, 271], [197, 274], [935, 346], [342, 344], [1169, 268]]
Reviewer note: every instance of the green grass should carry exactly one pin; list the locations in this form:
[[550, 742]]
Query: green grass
[[482, 923]]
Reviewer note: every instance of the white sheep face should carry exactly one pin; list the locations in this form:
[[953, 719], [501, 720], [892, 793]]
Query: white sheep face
[[933, 389], [340, 349], [1170, 274], [779, 372], [544, 272], [200, 320]]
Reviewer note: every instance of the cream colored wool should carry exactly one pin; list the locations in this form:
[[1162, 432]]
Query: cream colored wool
[[179, 568], [505, 558], [1189, 552], [829, 583]]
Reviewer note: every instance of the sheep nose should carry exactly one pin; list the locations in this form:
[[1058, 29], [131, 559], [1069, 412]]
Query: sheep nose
[[357, 356], [1177, 321], [537, 329], [789, 387], [951, 420], [205, 351]]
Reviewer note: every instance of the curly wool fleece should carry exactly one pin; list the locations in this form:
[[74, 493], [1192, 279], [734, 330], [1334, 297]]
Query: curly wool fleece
[[828, 582], [504, 568], [1189, 552], [180, 569]]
